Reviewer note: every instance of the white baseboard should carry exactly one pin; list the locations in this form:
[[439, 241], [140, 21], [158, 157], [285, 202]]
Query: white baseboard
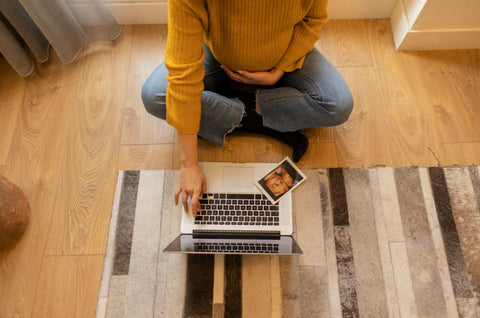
[[139, 12], [155, 12], [440, 40], [407, 39]]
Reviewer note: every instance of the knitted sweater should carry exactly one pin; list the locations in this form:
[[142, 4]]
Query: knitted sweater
[[251, 35]]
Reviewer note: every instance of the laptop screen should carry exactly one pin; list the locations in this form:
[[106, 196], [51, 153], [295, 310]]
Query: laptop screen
[[187, 243]]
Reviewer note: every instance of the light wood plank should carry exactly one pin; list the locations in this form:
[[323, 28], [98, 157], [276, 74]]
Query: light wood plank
[[461, 154], [12, 89], [474, 67], [276, 286], [219, 283], [360, 141], [237, 148], [145, 157], [83, 205], [140, 127], [148, 50], [320, 134], [256, 283], [32, 164], [346, 43], [322, 154], [412, 130], [455, 100], [72, 285]]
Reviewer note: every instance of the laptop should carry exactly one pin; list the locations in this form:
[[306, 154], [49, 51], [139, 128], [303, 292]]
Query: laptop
[[236, 217]]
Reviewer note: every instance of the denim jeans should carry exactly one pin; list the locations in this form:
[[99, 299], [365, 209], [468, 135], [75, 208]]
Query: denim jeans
[[314, 96]]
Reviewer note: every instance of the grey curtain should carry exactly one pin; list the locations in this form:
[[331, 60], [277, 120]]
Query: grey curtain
[[29, 27]]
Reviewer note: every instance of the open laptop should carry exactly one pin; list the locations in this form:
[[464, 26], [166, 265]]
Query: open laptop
[[235, 217]]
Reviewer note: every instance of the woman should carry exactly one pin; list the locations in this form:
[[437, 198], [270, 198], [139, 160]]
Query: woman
[[265, 44]]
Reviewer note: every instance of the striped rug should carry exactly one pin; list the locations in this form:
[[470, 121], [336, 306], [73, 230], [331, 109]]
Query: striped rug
[[378, 242]]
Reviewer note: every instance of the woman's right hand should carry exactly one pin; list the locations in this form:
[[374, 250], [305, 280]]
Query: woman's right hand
[[192, 185], [192, 180]]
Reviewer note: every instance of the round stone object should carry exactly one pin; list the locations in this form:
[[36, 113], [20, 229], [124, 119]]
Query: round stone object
[[14, 213]]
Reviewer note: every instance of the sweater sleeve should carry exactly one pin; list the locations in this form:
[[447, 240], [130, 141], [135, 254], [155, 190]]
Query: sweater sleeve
[[305, 34], [184, 60]]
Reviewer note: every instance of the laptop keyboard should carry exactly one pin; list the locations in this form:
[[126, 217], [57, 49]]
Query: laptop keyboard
[[237, 209], [236, 247]]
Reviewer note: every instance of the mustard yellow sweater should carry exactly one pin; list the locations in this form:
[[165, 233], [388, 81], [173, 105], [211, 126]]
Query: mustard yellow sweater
[[252, 35]]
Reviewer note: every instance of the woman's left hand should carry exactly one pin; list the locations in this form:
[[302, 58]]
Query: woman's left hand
[[255, 78]]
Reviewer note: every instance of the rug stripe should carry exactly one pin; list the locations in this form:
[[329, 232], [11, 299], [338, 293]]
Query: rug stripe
[[391, 209], [110, 251], [383, 244], [176, 282], [403, 280], [145, 242], [168, 208], [290, 286], [307, 200], [125, 223], [346, 272], [475, 177], [233, 286], [199, 287], [117, 296], [436, 231], [329, 238], [171, 274], [420, 249], [467, 218], [337, 191], [467, 308], [450, 235], [370, 287], [314, 301]]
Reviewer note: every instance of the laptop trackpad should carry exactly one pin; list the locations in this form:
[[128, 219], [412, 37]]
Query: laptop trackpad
[[238, 177]]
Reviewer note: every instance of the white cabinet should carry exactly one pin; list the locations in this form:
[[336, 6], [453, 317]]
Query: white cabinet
[[436, 24]]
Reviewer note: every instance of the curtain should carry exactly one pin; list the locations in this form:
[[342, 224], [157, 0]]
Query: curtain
[[29, 27]]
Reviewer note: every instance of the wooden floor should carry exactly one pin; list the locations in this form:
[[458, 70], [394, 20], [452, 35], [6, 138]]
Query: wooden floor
[[66, 130]]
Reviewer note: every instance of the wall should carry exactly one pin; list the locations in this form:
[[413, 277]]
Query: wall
[[436, 24], [155, 11]]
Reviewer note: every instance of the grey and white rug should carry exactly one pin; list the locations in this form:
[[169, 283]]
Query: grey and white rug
[[378, 242]]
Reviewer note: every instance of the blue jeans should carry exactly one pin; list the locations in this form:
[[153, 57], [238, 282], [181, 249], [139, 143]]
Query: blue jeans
[[314, 96]]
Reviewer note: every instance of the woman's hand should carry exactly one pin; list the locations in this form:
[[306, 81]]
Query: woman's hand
[[255, 78], [192, 184], [192, 180]]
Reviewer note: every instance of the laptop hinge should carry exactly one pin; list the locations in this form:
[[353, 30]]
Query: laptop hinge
[[269, 235]]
